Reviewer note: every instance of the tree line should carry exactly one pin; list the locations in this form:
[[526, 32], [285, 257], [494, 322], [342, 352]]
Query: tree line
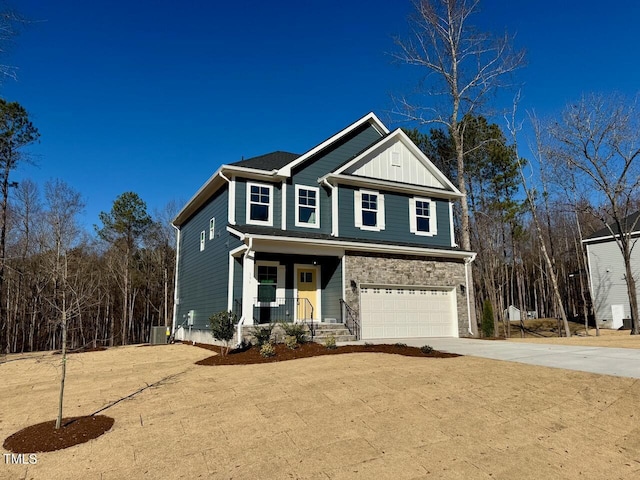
[[57, 280]]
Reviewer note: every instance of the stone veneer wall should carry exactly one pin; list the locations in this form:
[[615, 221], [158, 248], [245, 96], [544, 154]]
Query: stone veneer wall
[[387, 269]]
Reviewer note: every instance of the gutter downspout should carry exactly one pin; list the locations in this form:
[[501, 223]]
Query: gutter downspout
[[467, 264], [242, 318], [334, 221], [175, 283]]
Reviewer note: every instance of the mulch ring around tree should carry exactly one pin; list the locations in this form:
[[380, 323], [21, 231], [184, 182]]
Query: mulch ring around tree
[[44, 437], [306, 350]]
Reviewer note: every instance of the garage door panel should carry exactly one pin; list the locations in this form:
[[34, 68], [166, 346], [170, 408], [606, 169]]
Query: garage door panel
[[393, 312]]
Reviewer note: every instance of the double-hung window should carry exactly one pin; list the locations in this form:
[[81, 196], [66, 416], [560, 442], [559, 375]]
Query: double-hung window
[[307, 206], [259, 204], [202, 240], [369, 210], [422, 216], [212, 228], [269, 278]]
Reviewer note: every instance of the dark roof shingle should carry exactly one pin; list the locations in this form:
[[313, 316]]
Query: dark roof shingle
[[269, 161]]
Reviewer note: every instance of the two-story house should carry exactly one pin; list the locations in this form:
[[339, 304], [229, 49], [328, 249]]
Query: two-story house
[[357, 230]]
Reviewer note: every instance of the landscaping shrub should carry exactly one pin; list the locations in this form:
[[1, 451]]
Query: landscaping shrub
[[400, 345], [267, 350], [330, 342], [222, 328], [426, 349], [368, 344], [487, 319], [295, 330], [262, 334], [291, 342]]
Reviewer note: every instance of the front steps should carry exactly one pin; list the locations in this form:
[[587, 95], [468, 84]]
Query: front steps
[[338, 330]]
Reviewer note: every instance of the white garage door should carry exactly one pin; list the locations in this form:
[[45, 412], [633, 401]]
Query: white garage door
[[403, 312]]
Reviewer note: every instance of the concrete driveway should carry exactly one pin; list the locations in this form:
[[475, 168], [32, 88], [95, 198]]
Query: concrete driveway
[[621, 362]]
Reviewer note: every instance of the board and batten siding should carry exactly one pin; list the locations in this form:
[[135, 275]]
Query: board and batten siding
[[321, 164], [395, 163], [397, 227], [608, 279], [203, 275]]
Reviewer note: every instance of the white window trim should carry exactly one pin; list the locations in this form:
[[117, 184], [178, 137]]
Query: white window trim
[[280, 290], [357, 210], [269, 221], [202, 238], [298, 223], [413, 217], [212, 228]]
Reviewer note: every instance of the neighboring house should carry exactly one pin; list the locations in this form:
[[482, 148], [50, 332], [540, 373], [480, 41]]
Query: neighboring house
[[357, 230], [607, 273]]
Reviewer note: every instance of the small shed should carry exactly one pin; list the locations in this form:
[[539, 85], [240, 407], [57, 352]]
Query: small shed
[[512, 314]]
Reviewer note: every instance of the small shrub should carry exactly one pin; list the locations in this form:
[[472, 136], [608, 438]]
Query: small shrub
[[267, 350], [400, 345], [291, 342], [222, 328], [368, 344], [426, 349], [487, 319], [330, 342], [262, 334], [295, 330]]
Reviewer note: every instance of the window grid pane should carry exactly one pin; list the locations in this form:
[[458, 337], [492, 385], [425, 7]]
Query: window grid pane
[[423, 216], [369, 209], [307, 206]]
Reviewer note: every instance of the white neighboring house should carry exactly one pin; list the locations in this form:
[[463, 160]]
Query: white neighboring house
[[607, 273]]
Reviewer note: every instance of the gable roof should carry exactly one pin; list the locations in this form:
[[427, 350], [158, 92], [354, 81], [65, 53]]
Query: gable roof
[[414, 172], [270, 161], [630, 224], [369, 118]]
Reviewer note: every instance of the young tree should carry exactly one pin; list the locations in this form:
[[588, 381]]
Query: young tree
[[463, 66], [16, 132], [123, 228], [597, 142]]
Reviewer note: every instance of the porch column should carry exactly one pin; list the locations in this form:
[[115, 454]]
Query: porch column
[[248, 290]]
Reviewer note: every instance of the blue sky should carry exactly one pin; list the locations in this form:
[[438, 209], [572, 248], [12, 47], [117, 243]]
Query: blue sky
[[152, 96]]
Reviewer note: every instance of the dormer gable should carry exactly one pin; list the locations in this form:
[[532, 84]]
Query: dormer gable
[[395, 158]]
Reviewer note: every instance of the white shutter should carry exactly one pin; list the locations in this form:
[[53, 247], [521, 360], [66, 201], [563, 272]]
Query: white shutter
[[381, 219], [412, 215], [433, 220], [280, 292], [357, 208]]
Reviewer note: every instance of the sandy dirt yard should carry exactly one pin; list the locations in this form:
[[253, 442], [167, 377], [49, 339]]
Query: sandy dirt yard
[[607, 338], [365, 415]]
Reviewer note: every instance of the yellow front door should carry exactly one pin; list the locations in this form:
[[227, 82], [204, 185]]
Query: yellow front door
[[307, 294]]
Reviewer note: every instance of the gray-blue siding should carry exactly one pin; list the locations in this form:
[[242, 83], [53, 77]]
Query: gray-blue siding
[[325, 162], [203, 275], [397, 228]]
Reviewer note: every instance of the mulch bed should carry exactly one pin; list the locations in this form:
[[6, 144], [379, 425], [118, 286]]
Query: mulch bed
[[43, 437], [307, 350]]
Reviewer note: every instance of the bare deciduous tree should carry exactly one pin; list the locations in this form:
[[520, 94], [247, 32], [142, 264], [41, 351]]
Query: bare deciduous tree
[[597, 141], [463, 65]]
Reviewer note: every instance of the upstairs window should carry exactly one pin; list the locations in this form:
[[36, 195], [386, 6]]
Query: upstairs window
[[202, 240], [259, 204], [307, 207], [422, 216], [369, 210]]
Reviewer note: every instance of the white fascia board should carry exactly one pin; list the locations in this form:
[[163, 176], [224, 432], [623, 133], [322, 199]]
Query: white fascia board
[[366, 247], [400, 135], [235, 232], [204, 192], [216, 181], [370, 117], [238, 250], [608, 237], [389, 186]]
